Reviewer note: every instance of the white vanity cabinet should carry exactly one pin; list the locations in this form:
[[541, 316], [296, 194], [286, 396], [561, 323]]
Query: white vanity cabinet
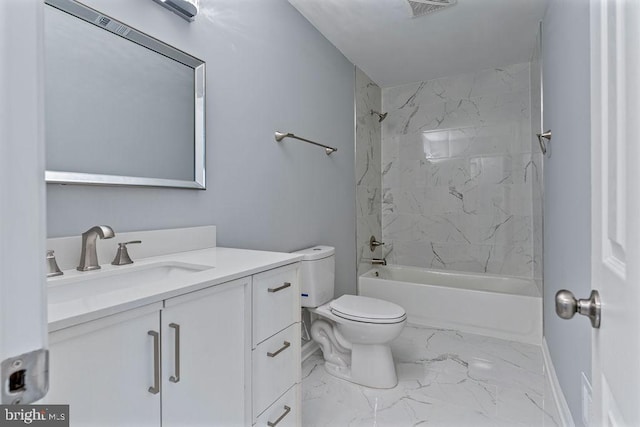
[[276, 347], [217, 353], [184, 362], [103, 370]]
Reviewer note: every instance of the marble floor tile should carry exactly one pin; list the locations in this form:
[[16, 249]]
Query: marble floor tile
[[446, 378]]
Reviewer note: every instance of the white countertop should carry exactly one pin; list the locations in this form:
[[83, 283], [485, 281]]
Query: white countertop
[[226, 264]]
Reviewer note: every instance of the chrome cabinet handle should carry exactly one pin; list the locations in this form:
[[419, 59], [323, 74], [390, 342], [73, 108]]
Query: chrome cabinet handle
[[279, 288], [280, 350], [176, 368], [155, 389], [284, 414]]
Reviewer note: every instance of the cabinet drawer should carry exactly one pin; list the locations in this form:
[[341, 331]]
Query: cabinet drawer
[[285, 412], [276, 367], [276, 301]]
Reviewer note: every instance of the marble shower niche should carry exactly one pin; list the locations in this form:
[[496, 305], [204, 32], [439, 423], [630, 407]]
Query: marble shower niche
[[459, 171]]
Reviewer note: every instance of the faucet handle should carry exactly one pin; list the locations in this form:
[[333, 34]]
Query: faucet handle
[[374, 243], [122, 255], [52, 266]]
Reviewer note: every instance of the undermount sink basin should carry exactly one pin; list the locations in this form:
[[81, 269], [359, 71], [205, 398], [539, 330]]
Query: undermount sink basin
[[100, 282]]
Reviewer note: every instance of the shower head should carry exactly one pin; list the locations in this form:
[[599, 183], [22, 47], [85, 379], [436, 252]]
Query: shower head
[[381, 116]]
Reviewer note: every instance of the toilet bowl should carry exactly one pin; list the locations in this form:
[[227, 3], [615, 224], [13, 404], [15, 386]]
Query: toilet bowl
[[354, 332], [355, 340]]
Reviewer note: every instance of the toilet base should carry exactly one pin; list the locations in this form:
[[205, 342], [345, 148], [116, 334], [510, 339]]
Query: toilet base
[[371, 366]]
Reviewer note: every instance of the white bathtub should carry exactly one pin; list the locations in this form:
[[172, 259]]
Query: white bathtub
[[502, 307]]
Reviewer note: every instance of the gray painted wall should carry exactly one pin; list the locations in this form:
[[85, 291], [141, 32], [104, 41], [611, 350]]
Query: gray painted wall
[[567, 227], [267, 69]]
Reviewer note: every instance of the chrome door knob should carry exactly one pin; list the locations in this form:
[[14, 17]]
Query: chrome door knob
[[567, 306]]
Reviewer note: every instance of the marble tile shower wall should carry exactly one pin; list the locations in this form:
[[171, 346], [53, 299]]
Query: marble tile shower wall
[[457, 173], [368, 173]]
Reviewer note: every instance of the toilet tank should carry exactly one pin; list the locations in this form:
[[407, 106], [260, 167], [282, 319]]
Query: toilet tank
[[317, 275]]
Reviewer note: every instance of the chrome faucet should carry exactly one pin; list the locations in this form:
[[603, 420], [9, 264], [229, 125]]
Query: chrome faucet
[[89, 256]]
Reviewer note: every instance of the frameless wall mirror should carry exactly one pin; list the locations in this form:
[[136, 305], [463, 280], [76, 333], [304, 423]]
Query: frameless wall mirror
[[121, 108]]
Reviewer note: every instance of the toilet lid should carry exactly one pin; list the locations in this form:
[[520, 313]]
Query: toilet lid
[[365, 309]]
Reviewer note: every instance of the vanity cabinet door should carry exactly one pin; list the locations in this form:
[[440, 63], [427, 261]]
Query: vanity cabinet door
[[206, 356], [104, 369]]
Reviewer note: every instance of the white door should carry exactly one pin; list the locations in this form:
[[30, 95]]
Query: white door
[[23, 314], [615, 161], [205, 357]]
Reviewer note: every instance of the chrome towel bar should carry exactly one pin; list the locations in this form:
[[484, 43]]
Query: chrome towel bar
[[282, 135]]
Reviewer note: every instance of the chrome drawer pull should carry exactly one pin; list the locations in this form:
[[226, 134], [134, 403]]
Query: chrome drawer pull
[[280, 350], [155, 389], [279, 288], [284, 414], [175, 378]]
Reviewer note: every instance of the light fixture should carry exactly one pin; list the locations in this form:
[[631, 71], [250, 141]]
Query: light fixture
[[187, 9], [425, 7]]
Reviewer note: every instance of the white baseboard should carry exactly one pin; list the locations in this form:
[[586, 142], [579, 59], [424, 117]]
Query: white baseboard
[[559, 400]]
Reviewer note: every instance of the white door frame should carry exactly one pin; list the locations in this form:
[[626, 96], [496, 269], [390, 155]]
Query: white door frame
[[23, 312]]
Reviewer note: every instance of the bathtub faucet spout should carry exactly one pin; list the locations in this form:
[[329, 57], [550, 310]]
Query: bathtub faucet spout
[[377, 261]]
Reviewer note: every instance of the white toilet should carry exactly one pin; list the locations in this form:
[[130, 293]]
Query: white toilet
[[354, 332]]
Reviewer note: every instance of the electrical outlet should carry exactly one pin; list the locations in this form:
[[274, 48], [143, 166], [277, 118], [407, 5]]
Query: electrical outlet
[[586, 399]]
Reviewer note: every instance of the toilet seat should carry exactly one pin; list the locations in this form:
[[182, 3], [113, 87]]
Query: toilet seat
[[367, 310]]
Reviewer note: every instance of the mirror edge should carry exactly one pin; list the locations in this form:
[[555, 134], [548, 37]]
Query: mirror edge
[[79, 178]]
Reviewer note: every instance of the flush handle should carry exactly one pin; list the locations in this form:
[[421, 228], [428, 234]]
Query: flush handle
[[567, 306]]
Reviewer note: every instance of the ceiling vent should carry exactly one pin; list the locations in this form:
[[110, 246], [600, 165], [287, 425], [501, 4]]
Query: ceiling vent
[[425, 7]]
